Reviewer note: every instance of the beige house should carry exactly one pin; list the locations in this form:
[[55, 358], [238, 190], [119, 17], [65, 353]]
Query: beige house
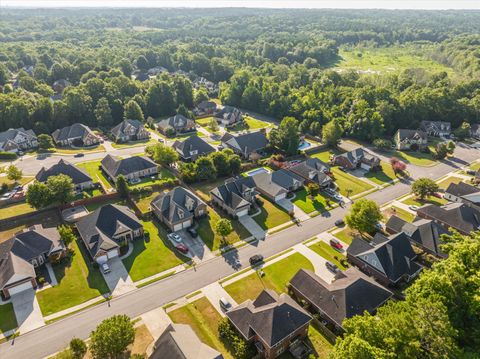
[[414, 140]]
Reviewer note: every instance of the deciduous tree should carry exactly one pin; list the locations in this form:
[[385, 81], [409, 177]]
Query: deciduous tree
[[424, 187], [364, 215], [112, 337]]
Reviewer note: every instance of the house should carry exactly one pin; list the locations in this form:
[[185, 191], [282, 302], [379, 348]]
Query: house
[[436, 128], [132, 168], [236, 196], [388, 259], [463, 217], [157, 70], [129, 130], [21, 254], [423, 233], [178, 208], [272, 322], [179, 341], [228, 115], [312, 170], [75, 135], [205, 108], [350, 293], [475, 131], [245, 144], [176, 124], [358, 158], [462, 193], [277, 185], [104, 230], [414, 140], [192, 147], [80, 178], [17, 139]]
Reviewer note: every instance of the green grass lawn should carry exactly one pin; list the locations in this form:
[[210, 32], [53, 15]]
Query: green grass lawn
[[93, 206], [346, 235], [475, 166], [399, 212], [315, 340], [413, 157], [348, 184], [78, 281], [271, 215], [303, 201], [250, 123], [330, 254], [15, 210], [134, 143], [446, 182], [93, 169], [21, 182], [143, 201], [203, 188], [205, 123], [325, 155], [163, 175], [8, 321], [430, 200], [204, 320], [153, 255], [381, 177], [276, 277], [67, 150], [206, 230]]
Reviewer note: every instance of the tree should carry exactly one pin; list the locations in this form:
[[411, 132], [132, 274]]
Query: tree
[[61, 188], [223, 228], [66, 234], [312, 189], [332, 133], [235, 164], [14, 173], [45, 141], [221, 162], [286, 137], [451, 147], [463, 131], [78, 348], [382, 144], [441, 151], [424, 187], [205, 169], [38, 195], [122, 186], [112, 337], [103, 113], [142, 63], [163, 154], [397, 165], [187, 172], [133, 111], [364, 215], [213, 125]]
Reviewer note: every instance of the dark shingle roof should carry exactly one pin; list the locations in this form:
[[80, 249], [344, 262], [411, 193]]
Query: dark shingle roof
[[125, 166], [246, 143], [177, 122], [359, 154], [314, 170], [177, 204], [461, 189], [411, 134], [231, 191], [77, 175], [74, 131], [118, 129], [191, 144], [464, 218], [264, 182], [11, 133]]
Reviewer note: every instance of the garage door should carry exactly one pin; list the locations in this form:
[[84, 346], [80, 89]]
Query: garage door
[[242, 213], [112, 254], [102, 259], [365, 167], [280, 197], [187, 224], [20, 288], [177, 227]]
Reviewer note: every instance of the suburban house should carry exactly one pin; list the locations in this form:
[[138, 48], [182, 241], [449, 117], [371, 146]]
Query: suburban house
[[228, 115], [75, 135], [388, 259], [462, 193], [27, 250], [132, 168], [245, 144], [358, 158], [313, 170], [17, 139], [205, 108], [192, 147], [235, 196], [129, 130], [104, 230], [410, 140], [272, 322], [178, 208], [464, 217], [179, 341], [80, 177], [277, 185], [350, 293], [436, 128], [475, 130], [423, 233], [176, 124]]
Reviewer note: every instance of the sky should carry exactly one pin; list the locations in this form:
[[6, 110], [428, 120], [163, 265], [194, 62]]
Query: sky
[[341, 4]]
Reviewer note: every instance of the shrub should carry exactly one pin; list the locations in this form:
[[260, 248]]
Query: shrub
[[7, 155], [78, 348]]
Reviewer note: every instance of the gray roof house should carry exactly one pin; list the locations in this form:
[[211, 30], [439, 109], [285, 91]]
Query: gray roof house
[[228, 115], [235, 196], [80, 177], [273, 322], [106, 228], [17, 139], [388, 259], [475, 130], [177, 123], [205, 108], [406, 139], [178, 208], [462, 193], [351, 293], [245, 144], [129, 130], [276, 185], [77, 135], [132, 168], [436, 128], [465, 218], [192, 147], [313, 170], [357, 158]]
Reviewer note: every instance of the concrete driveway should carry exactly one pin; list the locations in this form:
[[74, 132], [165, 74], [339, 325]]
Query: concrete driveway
[[317, 261], [289, 206], [252, 227], [197, 250], [118, 280], [214, 292], [27, 311]]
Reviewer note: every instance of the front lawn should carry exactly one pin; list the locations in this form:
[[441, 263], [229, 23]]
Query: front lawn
[[205, 123], [271, 215], [250, 123], [330, 254], [446, 182], [276, 277], [134, 143], [415, 158], [429, 200], [319, 203], [69, 150], [348, 184], [9, 321], [78, 282], [153, 255], [21, 182], [346, 235], [15, 209], [94, 170], [399, 212], [386, 175]]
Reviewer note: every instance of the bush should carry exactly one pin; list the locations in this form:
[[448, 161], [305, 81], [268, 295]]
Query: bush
[[78, 348], [239, 347], [7, 155]]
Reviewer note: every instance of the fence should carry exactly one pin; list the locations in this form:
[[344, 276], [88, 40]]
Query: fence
[[92, 200]]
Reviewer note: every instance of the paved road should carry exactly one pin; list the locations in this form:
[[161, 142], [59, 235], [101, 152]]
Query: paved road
[[54, 337]]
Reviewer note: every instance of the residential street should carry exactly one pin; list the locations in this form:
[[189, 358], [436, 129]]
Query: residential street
[[56, 336]]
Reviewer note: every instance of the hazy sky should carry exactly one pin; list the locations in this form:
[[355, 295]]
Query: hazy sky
[[385, 4]]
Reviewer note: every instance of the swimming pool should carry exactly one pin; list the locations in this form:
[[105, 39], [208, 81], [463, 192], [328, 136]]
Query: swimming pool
[[304, 145], [257, 171]]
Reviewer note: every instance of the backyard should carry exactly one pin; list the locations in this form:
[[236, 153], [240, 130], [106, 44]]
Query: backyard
[[329, 253], [15, 209], [8, 321], [203, 188], [271, 215], [319, 203], [163, 176], [94, 170]]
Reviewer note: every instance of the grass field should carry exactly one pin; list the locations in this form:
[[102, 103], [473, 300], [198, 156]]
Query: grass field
[[348, 184], [250, 123], [15, 210], [271, 215], [303, 201], [446, 182], [205, 123], [329, 253], [134, 143], [8, 321], [93, 169], [325, 155], [381, 177], [399, 212], [429, 200], [415, 158], [21, 182]]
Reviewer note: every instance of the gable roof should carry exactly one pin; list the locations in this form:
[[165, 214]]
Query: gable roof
[[461, 189], [271, 316], [314, 170], [206, 105], [193, 144], [460, 216], [77, 130], [11, 133], [175, 204], [351, 293], [411, 134], [125, 166], [119, 129], [175, 122], [231, 191], [359, 154], [264, 182], [246, 143], [436, 125], [77, 175]]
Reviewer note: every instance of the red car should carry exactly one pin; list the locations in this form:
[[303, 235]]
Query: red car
[[181, 248], [335, 244]]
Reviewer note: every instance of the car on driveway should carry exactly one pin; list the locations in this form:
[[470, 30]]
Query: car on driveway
[[413, 207], [257, 258], [335, 243], [193, 232], [182, 248], [331, 267], [339, 222], [175, 237], [105, 268], [225, 304]]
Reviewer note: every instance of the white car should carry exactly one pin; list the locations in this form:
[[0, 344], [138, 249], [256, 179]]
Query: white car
[[413, 207], [105, 268], [175, 237]]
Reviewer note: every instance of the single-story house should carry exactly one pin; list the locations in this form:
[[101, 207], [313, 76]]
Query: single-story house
[[388, 259], [414, 140], [25, 251], [131, 168], [236, 196], [192, 147], [205, 108], [178, 208], [129, 130], [357, 158], [80, 178], [272, 322], [17, 139], [245, 144], [75, 135], [463, 217], [436, 128], [313, 170], [462, 193], [350, 293], [106, 228], [278, 184], [228, 115], [176, 124]]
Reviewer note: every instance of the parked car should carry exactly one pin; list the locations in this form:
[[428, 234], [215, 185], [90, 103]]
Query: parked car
[[175, 237], [105, 268], [331, 267], [335, 244], [257, 258], [379, 226], [438, 195], [339, 222], [413, 207], [470, 172], [79, 155], [193, 232], [182, 248], [135, 180], [225, 304]]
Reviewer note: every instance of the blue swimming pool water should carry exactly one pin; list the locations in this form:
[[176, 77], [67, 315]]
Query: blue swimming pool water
[[304, 145], [257, 171]]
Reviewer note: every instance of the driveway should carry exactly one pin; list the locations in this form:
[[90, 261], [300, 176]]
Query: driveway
[[289, 206], [28, 313], [318, 262], [252, 227], [214, 292], [118, 280], [197, 248]]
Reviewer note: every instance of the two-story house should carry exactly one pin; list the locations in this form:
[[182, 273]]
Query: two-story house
[[245, 145], [236, 196], [17, 139], [228, 115], [80, 178], [415, 140], [176, 124], [191, 148], [436, 128], [75, 135], [129, 130], [357, 158]]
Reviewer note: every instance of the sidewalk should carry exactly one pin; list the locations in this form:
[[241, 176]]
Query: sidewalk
[[176, 269]]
